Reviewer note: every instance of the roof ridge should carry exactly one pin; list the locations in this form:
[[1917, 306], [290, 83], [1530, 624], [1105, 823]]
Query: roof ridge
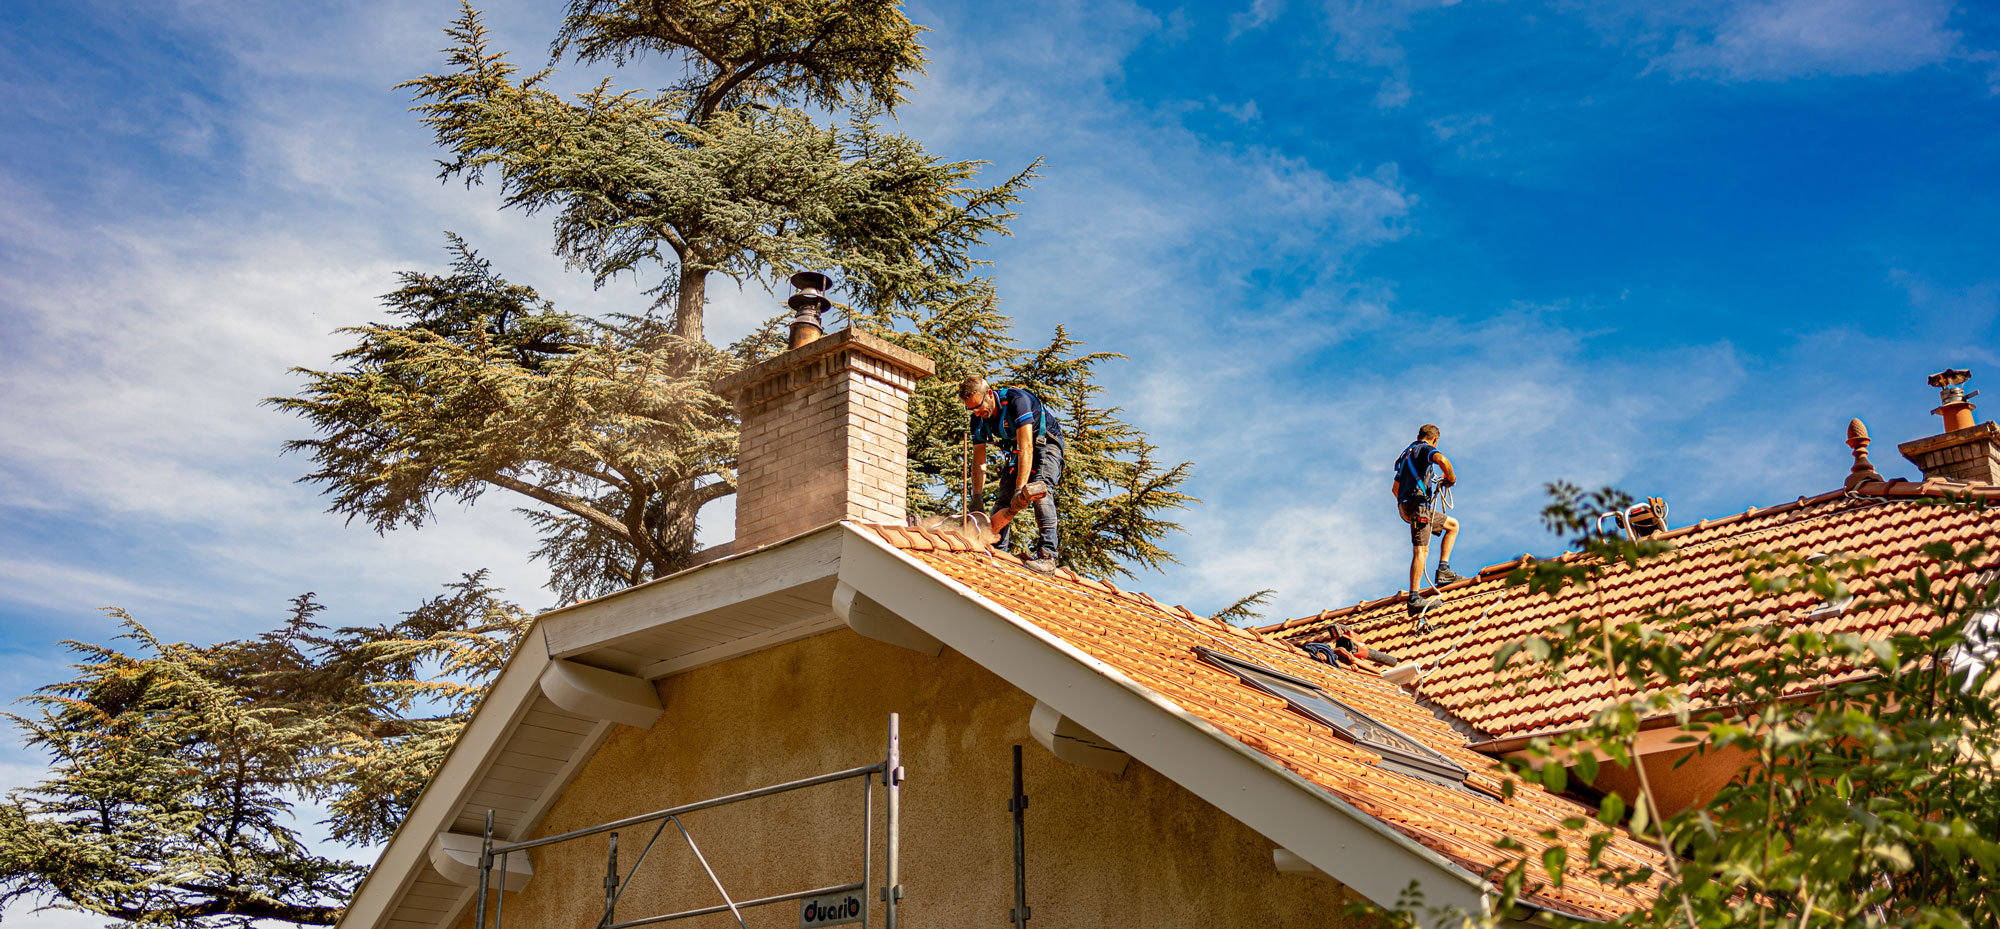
[[1890, 488]]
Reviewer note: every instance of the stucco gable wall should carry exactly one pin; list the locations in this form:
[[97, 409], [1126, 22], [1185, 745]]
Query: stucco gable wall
[[1102, 850]]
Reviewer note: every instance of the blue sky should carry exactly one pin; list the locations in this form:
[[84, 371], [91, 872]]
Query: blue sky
[[1667, 248]]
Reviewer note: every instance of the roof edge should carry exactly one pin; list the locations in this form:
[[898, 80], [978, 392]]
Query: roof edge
[[405, 854], [1104, 702]]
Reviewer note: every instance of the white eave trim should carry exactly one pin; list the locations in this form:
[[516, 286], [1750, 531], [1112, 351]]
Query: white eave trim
[[595, 693], [1359, 850], [456, 858], [407, 853]]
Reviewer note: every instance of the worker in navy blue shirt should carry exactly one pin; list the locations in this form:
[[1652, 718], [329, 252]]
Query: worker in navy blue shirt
[[1031, 441], [1416, 491]]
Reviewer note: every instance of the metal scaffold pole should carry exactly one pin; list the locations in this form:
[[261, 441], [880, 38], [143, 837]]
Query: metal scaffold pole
[[892, 777], [485, 869], [1018, 805]]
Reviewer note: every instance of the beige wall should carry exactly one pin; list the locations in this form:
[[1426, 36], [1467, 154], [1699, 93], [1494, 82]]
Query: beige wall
[[1102, 850]]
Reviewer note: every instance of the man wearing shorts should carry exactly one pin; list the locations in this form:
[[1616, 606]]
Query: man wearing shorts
[[1415, 492]]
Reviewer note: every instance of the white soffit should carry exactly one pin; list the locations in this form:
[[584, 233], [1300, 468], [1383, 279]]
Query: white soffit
[[1073, 743]]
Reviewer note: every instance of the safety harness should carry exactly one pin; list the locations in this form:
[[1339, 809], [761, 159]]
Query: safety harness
[[986, 434]]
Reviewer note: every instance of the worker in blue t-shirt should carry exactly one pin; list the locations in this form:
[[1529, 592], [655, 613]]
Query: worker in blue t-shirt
[[1031, 440], [1417, 489]]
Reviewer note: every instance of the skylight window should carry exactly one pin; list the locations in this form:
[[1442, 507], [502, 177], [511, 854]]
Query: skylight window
[[1399, 752]]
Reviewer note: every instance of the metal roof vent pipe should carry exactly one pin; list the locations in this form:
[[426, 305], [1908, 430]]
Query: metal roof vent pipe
[[1966, 451], [806, 304], [1954, 404]]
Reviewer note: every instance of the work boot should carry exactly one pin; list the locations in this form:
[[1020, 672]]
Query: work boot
[[1419, 603], [1446, 575], [1041, 565]]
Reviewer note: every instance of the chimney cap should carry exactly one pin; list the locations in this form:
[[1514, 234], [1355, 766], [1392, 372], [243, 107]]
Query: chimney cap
[[1950, 377], [811, 296]]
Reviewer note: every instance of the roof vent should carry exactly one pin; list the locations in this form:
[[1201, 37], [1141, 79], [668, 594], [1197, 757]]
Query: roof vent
[[1954, 404], [807, 304], [1638, 520], [1966, 451]]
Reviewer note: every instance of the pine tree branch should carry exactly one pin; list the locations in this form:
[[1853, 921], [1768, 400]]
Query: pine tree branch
[[564, 502]]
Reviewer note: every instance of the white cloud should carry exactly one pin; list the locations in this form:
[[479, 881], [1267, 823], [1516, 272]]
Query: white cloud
[[1760, 40], [1259, 14], [1369, 33], [1245, 112]]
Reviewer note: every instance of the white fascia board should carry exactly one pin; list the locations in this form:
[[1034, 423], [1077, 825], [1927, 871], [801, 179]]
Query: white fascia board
[[1323, 830], [804, 558], [408, 851]]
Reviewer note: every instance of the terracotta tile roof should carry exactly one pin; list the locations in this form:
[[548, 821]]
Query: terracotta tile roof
[[1884, 520], [1154, 644]]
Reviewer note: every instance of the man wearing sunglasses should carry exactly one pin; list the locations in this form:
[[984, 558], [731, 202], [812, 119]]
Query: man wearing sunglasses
[[1031, 442]]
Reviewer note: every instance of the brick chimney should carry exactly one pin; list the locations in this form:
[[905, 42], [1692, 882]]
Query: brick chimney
[[825, 436], [1966, 450]]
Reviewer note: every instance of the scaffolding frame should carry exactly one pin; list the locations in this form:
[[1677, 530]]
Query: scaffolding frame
[[890, 768]]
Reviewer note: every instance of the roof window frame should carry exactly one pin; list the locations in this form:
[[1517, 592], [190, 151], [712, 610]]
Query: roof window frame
[[1425, 763]]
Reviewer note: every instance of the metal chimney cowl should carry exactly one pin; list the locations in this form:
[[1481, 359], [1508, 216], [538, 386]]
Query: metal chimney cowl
[[807, 304], [1967, 450]]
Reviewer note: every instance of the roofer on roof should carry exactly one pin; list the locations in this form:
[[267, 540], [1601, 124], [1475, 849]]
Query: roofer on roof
[[1025, 431], [1416, 490]]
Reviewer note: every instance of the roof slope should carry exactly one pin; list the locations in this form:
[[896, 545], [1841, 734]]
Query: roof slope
[[1154, 645], [1883, 520]]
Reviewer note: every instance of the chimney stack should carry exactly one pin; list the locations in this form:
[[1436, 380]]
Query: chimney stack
[[1966, 450], [825, 429]]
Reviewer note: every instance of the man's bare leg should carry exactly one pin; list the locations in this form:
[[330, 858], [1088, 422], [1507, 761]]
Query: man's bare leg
[[1445, 574], [1418, 555]]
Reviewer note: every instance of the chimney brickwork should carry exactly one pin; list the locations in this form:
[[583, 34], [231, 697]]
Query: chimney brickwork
[[1971, 454], [825, 436]]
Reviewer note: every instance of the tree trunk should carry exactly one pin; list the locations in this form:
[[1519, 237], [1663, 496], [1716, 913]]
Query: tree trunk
[[690, 299], [674, 528]]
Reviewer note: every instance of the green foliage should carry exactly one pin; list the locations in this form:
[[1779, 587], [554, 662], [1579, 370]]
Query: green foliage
[[478, 383], [1245, 609], [609, 425], [175, 765], [1870, 798], [724, 171]]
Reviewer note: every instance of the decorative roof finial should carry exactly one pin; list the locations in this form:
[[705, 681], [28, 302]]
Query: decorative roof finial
[[1864, 470]]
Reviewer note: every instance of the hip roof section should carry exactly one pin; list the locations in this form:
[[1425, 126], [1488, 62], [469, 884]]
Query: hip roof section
[[1890, 521]]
